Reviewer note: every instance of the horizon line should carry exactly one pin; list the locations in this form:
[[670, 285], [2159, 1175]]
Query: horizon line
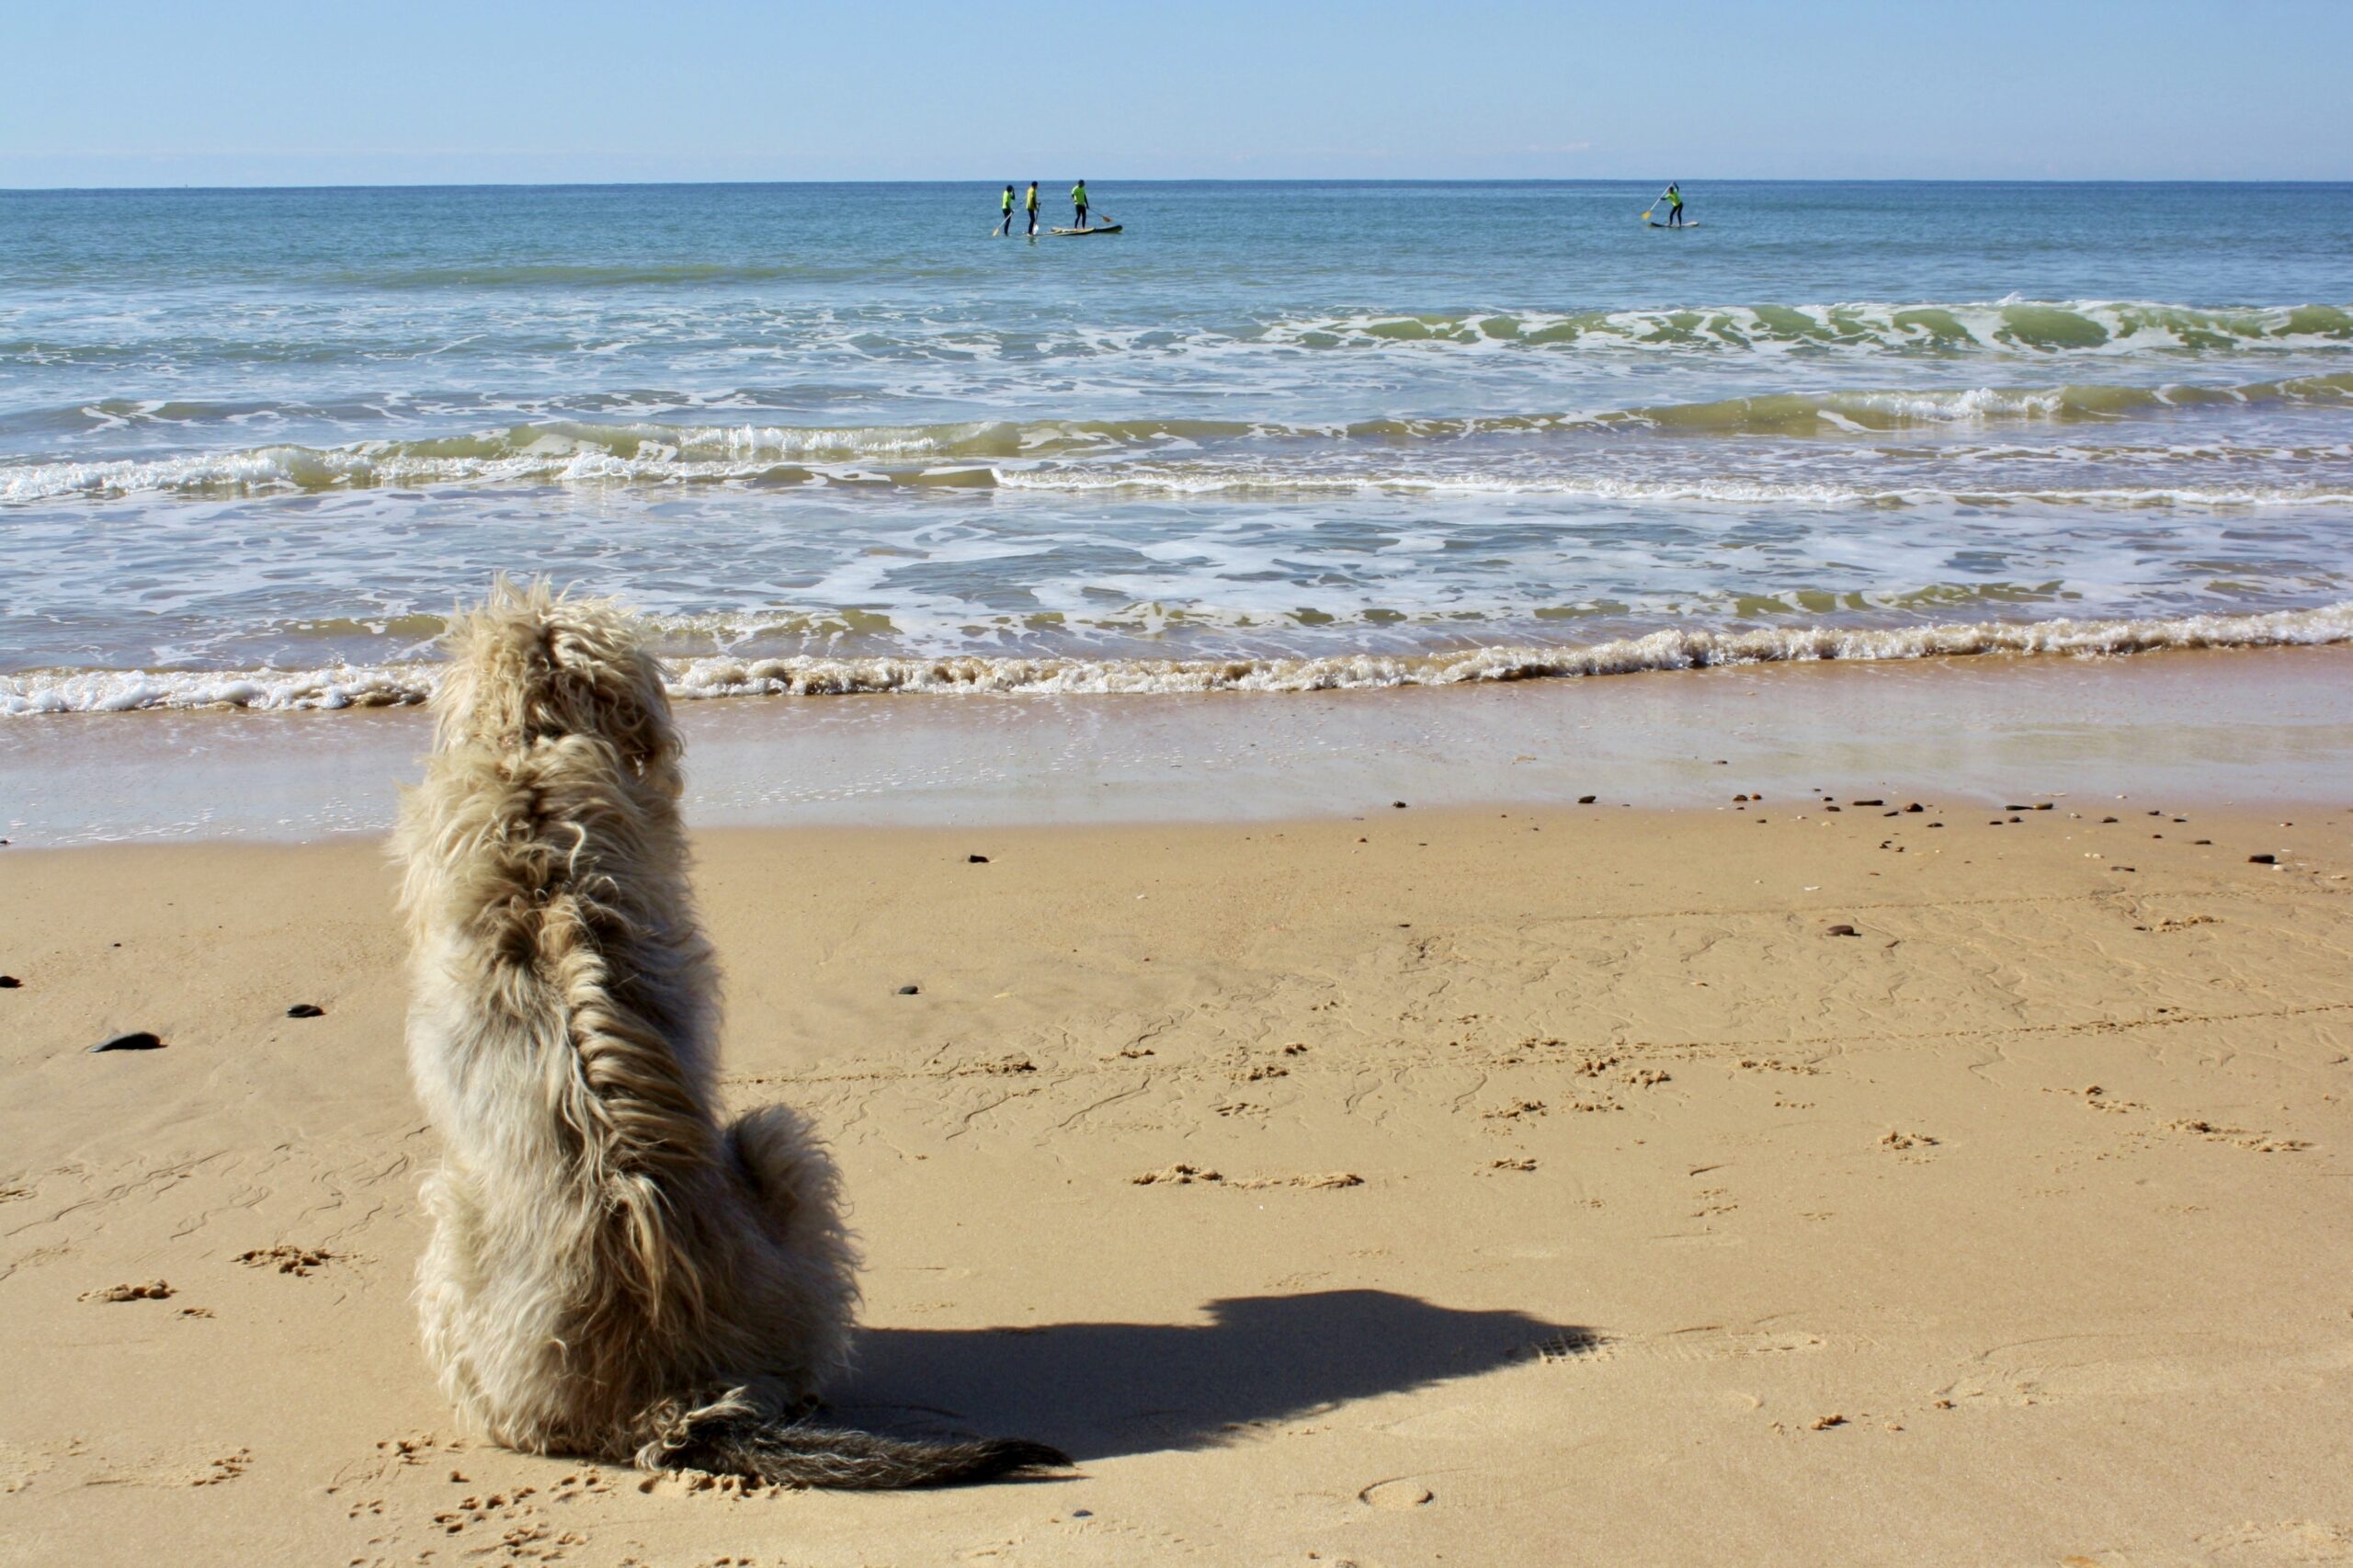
[[1165, 180]]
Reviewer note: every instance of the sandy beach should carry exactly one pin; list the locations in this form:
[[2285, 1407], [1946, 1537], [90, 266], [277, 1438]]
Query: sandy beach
[[1749, 1182], [1458, 882]]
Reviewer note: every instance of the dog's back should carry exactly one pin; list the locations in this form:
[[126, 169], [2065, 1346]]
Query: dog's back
[[612, 1272]]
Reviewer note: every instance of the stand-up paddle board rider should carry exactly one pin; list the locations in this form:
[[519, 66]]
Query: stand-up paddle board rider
[[1007, 227], [1033, 199], [1675, 206], [1078, 201]]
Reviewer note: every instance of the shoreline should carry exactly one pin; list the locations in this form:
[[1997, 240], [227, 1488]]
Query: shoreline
[[745, 672], [1488, 1147], [2191, 727]]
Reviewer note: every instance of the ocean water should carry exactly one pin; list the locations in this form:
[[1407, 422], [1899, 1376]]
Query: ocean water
[[255, 444]]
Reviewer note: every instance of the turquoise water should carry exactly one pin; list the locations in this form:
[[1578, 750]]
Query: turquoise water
[[253, 443]]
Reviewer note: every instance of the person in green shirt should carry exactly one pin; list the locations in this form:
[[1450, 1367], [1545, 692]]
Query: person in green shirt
[[1078, 199], [1007, 227], [1032, 200], [1675, 206]]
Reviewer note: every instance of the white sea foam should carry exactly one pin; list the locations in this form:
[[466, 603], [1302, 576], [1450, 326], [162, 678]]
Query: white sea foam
[[1151, 479], [107, 692], [2009, 326], [124, 691], [576, 452]]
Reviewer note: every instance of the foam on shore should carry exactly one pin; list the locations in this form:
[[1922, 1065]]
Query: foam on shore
[[114, 691]]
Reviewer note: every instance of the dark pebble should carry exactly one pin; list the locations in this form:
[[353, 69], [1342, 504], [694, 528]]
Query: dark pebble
[[2107, 819], [2043, 806], [2263, 859], [142, 1040], [1585, 800], [9, 982], [1841, 931], [2201, 841], [910, 990], [1399, 804], [1871, 803], [2017, 808], [976, 859], [306, 1010], [1916, 806]]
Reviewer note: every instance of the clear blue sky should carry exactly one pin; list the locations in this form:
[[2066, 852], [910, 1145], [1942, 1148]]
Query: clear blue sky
[[335, 91]]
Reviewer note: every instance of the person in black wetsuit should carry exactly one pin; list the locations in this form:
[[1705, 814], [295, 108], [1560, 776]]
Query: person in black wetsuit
[[1007, 227], [1033, 199], [1675, 206]]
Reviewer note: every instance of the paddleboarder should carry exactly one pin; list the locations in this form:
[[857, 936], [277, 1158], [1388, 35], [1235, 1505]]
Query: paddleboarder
[[1675, 206], [1007, 227], [1033, 199], [1078, 201]]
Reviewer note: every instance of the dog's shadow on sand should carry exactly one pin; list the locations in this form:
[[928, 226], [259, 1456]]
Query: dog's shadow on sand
[[1100, 1390]]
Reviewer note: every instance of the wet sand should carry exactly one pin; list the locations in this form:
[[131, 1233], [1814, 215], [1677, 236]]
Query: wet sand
[[2212, 727], [1548, 1183]]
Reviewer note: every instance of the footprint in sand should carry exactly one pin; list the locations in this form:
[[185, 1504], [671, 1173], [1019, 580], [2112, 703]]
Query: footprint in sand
[[1397, 1495], [1583, 1346], [298, 1261]]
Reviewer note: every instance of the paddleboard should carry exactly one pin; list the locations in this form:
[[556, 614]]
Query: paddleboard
[[1656, 224], [1097, 228]]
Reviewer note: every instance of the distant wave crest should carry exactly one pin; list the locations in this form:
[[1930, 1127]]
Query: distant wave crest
[[2034, 327]]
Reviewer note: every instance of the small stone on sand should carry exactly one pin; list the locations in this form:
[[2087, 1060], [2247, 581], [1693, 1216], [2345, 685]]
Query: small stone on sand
[[141, 1040]]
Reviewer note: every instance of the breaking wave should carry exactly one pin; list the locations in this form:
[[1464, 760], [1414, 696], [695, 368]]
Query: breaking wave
[[1005, 452], [94, 691], [2036, 326]]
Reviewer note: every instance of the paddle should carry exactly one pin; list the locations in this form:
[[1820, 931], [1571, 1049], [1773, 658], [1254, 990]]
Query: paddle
[[1653, 205]]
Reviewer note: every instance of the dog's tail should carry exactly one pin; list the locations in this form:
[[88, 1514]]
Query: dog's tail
[[797, 1454]]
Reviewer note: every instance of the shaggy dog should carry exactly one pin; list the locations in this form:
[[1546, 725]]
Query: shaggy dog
[[613, 1272]]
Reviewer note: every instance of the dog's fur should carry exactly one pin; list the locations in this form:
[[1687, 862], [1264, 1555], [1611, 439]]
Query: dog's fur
[[613, 1273]]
